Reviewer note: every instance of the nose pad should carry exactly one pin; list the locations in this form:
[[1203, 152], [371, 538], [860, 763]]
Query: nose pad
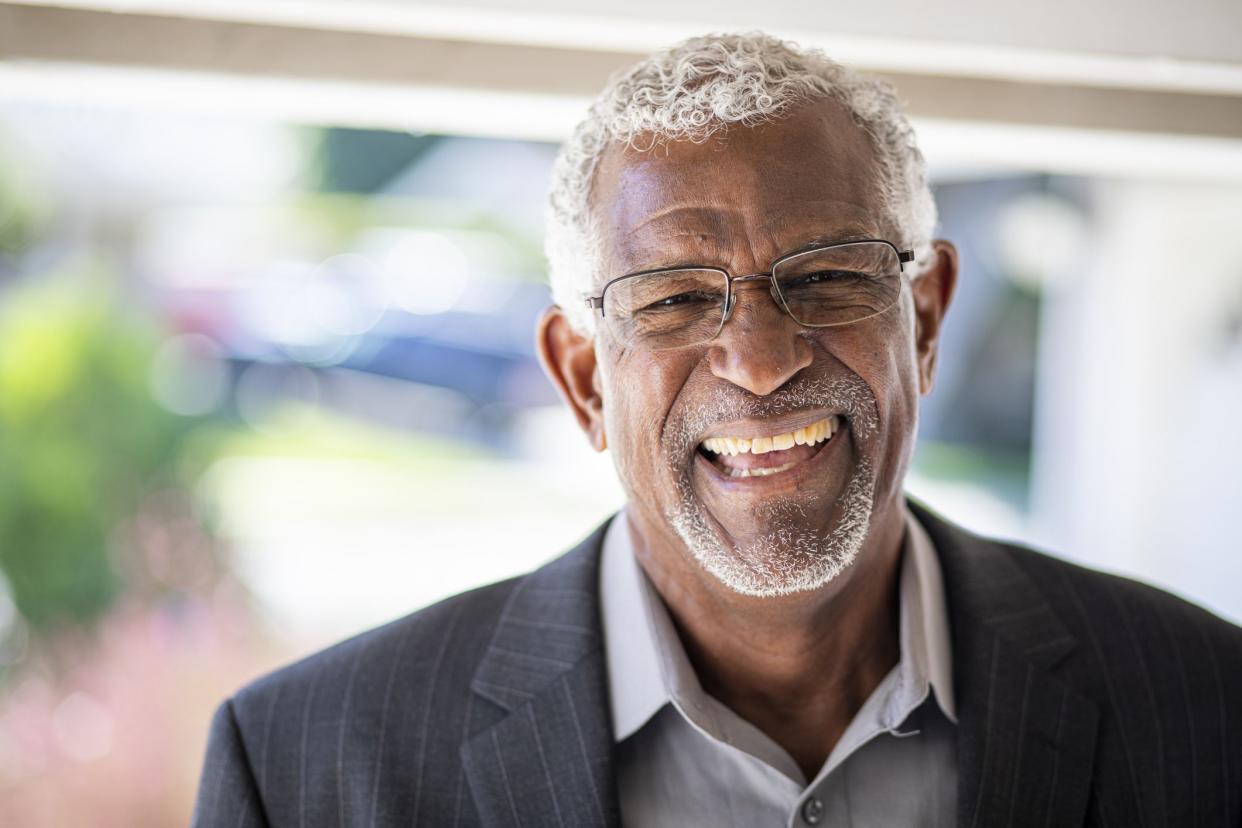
[[731, 301], [776, 296]]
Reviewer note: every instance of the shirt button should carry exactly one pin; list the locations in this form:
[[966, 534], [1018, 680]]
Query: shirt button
[[812, 811]]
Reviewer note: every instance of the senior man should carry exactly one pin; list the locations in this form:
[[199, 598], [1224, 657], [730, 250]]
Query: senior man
[[749, 300]]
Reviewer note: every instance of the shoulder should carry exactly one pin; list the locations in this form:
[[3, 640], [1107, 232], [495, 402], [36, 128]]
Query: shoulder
[[1130, 637], [391, 704], [444, 641], [1166, 676], [419, 667], [1134, 627], [1091, 597], [1087, 601]]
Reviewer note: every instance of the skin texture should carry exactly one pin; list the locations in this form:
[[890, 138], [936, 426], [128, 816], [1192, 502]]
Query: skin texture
[[798, 666]]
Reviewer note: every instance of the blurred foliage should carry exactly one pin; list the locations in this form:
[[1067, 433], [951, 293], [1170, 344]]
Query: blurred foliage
[[82, 443]]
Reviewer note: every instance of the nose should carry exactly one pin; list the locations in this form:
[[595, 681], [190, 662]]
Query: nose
[[760, 347]]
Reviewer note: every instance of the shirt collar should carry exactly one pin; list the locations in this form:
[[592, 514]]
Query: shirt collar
[[925, 616], [648, 666], [633, 648]]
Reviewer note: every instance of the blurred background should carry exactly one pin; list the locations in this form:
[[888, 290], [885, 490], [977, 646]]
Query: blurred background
[[268, 277]]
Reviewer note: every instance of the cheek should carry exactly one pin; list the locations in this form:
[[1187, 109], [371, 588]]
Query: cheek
[[904, 364], [639, 391], [896, 385], [883, 356]]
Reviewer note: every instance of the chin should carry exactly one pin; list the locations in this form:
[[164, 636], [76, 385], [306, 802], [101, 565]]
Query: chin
[[784, 556]]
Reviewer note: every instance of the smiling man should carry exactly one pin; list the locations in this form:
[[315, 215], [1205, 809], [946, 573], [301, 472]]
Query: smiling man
[[749, 300]]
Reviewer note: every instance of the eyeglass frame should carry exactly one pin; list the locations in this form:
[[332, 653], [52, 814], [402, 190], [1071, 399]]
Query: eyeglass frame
[[904, 257]]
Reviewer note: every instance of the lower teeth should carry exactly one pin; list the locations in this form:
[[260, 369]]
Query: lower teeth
[[759, 472]]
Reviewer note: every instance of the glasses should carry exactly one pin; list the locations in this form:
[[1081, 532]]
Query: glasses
[[821, 287]]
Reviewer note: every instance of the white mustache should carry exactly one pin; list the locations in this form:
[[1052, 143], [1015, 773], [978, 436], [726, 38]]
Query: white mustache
[[848, 394]]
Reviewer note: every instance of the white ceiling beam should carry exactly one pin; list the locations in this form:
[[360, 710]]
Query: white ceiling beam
[[34, 37], [320, 75], [1191, 46]]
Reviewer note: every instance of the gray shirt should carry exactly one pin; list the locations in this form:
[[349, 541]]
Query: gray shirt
[[685, 759]]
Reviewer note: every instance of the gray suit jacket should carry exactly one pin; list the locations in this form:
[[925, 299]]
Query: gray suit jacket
[[1083, 699]]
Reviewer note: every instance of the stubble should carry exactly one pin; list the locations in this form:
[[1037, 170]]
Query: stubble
[[789, 556]]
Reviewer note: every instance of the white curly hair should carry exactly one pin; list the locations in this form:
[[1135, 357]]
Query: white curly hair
[[692, 91]]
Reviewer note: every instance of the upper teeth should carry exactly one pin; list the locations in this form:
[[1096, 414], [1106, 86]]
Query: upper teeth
[[807, 436]]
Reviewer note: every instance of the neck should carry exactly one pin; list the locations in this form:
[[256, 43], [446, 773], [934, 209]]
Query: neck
[[798, 666]]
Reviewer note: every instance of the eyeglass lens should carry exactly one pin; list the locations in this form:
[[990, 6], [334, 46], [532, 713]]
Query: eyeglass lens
[[823, 287]]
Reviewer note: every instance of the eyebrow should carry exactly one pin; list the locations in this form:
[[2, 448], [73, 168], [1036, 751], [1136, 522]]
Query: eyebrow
[[852, 233], [849, 232]]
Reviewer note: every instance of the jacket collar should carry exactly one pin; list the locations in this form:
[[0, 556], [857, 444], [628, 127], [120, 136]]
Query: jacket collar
[[549, 761], [1026, 740]]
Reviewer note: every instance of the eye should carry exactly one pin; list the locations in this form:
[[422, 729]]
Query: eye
[[682, 299], [820, 277]]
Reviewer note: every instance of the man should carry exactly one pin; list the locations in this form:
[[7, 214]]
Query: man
[[749, 300]]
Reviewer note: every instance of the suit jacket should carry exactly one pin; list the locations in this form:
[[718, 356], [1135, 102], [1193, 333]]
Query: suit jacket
[[1083, 699]]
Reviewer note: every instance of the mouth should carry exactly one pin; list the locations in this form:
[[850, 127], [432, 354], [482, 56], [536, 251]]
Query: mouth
[[737, 457]]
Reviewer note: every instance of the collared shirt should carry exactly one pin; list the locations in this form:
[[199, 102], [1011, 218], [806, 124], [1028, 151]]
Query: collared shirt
[[683, 758]]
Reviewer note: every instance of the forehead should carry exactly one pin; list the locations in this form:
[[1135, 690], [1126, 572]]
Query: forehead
[[810, 175]]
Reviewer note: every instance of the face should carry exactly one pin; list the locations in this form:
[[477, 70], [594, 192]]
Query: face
[[794, 517]]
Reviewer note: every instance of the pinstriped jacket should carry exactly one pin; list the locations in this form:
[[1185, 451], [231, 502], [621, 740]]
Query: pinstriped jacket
[[1083, 699]]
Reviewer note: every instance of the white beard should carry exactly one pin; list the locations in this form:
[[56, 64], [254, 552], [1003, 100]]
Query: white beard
[[787, 558]]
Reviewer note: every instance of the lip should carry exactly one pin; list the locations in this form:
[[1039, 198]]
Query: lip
[[750, 429], [770, 483]]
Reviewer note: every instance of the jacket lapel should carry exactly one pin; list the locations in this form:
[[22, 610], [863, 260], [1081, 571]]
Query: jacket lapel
[[1026, 740], [549, 760]]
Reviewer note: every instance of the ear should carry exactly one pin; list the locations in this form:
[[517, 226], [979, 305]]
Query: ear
[[933, 290], [568, 358]]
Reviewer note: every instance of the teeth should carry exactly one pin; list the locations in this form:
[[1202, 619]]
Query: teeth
[[806, 436], [759, 472]]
